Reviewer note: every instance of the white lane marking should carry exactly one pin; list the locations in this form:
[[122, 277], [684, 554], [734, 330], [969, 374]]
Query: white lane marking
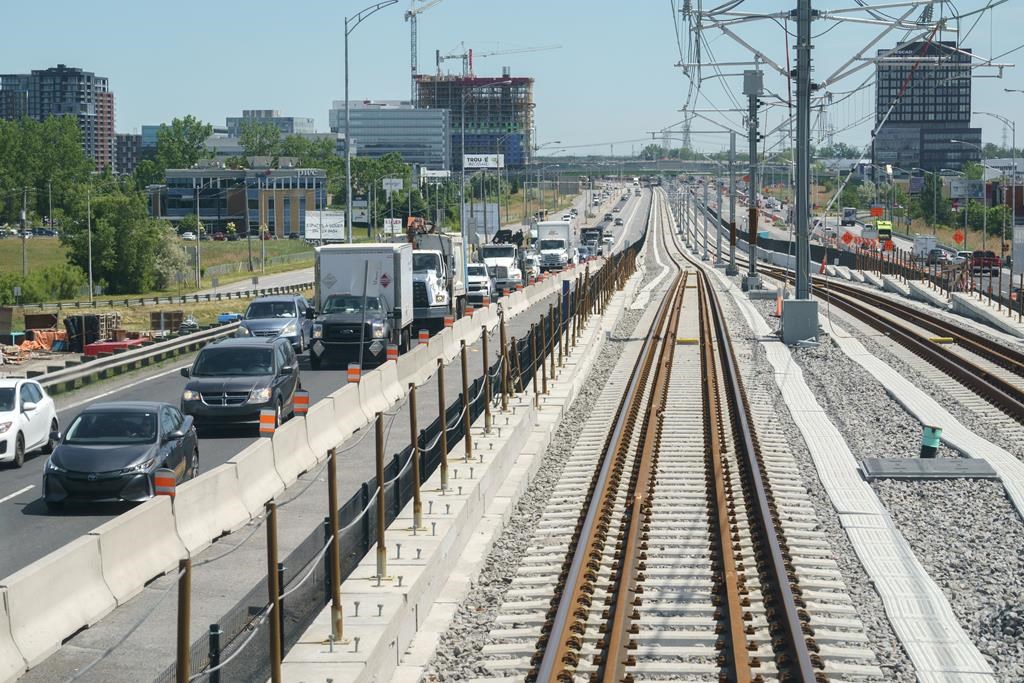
[[17, 493], [171, 371]]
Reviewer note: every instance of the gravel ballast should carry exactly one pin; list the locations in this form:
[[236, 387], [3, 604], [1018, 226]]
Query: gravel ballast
[[758, 380], [964, 532]]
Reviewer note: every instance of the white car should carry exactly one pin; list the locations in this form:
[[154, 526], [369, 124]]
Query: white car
[[480, 282], [607, 239], [28, 420], [188, 236]]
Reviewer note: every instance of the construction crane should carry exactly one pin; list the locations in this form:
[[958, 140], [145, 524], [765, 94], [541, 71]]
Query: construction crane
[[410, 16], [467, 56]]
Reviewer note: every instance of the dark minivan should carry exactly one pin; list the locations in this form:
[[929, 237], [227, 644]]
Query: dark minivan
[[233, 379]]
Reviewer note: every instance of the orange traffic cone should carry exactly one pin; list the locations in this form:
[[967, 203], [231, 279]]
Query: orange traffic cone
[[778, 304], [821, 271]]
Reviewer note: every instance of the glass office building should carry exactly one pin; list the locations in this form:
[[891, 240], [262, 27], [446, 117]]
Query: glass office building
[[421, 136], [923, 93]]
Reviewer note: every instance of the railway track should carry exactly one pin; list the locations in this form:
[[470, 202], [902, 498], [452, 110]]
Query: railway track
[[665, 551]]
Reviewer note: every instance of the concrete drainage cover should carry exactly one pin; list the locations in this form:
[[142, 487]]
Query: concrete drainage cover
[[926, 468]]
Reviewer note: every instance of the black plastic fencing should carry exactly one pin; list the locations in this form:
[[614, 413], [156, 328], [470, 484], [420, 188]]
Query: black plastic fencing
[[307, 568]]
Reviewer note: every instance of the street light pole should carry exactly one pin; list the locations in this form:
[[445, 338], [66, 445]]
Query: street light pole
[[1013, 157], [88, 227], [354, 21]]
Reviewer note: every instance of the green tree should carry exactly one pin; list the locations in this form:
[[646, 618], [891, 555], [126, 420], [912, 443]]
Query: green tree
[[260, 138], [46, 157], [974, 171], [182, 143], [147, 173]]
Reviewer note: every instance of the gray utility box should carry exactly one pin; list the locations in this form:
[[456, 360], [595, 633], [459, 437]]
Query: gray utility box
[[799, 320]]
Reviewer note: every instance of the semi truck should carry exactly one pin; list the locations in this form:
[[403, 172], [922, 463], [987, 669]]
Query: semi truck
[[438, 287], [849, 216], [555, 244], [362, 301], [503, 263]]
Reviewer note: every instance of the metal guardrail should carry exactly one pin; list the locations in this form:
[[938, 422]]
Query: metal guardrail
[[183, 299], [77, 376]]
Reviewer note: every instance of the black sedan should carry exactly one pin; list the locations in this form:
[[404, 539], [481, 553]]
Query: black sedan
[[111, 450]]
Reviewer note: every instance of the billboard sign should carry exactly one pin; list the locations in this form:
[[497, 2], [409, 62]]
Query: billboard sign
[[325, 225], [360, 211], [962, 188], [483, 161], [392, 184], [392, 226], [427, 175], [916, 184]]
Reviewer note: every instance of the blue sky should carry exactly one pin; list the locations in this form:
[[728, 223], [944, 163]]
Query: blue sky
[[612, 80]]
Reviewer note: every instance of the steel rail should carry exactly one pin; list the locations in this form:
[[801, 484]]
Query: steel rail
[[792, 650], [563, 633], [1003, 394], [628, 575]]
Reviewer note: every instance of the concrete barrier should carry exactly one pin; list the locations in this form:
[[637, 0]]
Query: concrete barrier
[[890, 284], [371, 394], [321, 432], [966, 305], [137, 546], [258, 479], [415, 366], [11, 663], [392, 390], [921, 292], [55, 596], [449, 345], [461, 329], [292, 454], [348, 414], [208, 507]]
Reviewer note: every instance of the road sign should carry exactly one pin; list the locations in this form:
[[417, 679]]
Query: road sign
[[393, 226], [325, 225], [958, 237], [392, 184], [483, 161], [962, 188], [889, 245], [847, 237], [215, 282], [877, 210]]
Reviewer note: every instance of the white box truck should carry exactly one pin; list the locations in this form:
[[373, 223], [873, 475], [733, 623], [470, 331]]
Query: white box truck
[[556, 244], [924, 244], [362, 301]]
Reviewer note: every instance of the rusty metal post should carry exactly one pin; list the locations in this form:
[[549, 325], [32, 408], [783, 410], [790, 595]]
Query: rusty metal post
[[417, 503], [382, 550], [551, 340], [533, 364], [487, 378], [561, 350], [273, 592], [444, 424], [466, 402], [337, 614], [541, 357], [184, 619], [505, 371]]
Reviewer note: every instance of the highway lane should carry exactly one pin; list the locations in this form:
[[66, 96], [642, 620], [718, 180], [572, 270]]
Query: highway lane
[[30, 532]]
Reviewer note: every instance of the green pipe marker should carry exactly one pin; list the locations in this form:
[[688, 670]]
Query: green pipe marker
[[930, 439]]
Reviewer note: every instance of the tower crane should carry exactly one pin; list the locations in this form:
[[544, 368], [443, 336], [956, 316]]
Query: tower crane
[[410, 16], [467, 56]]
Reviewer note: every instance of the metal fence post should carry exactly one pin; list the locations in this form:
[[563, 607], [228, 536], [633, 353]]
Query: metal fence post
[[487, 377], [505, 371], [273, 593], [417, 503], [443, 424], [337, 614], [466, 403], [184, 618], [382, 552], [214, 668]]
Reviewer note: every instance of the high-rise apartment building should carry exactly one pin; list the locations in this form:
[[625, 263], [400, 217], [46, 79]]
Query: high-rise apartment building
[[288, 125], [925, 91], [420, 136], [127, 153], [65, 91], [499, 114]]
